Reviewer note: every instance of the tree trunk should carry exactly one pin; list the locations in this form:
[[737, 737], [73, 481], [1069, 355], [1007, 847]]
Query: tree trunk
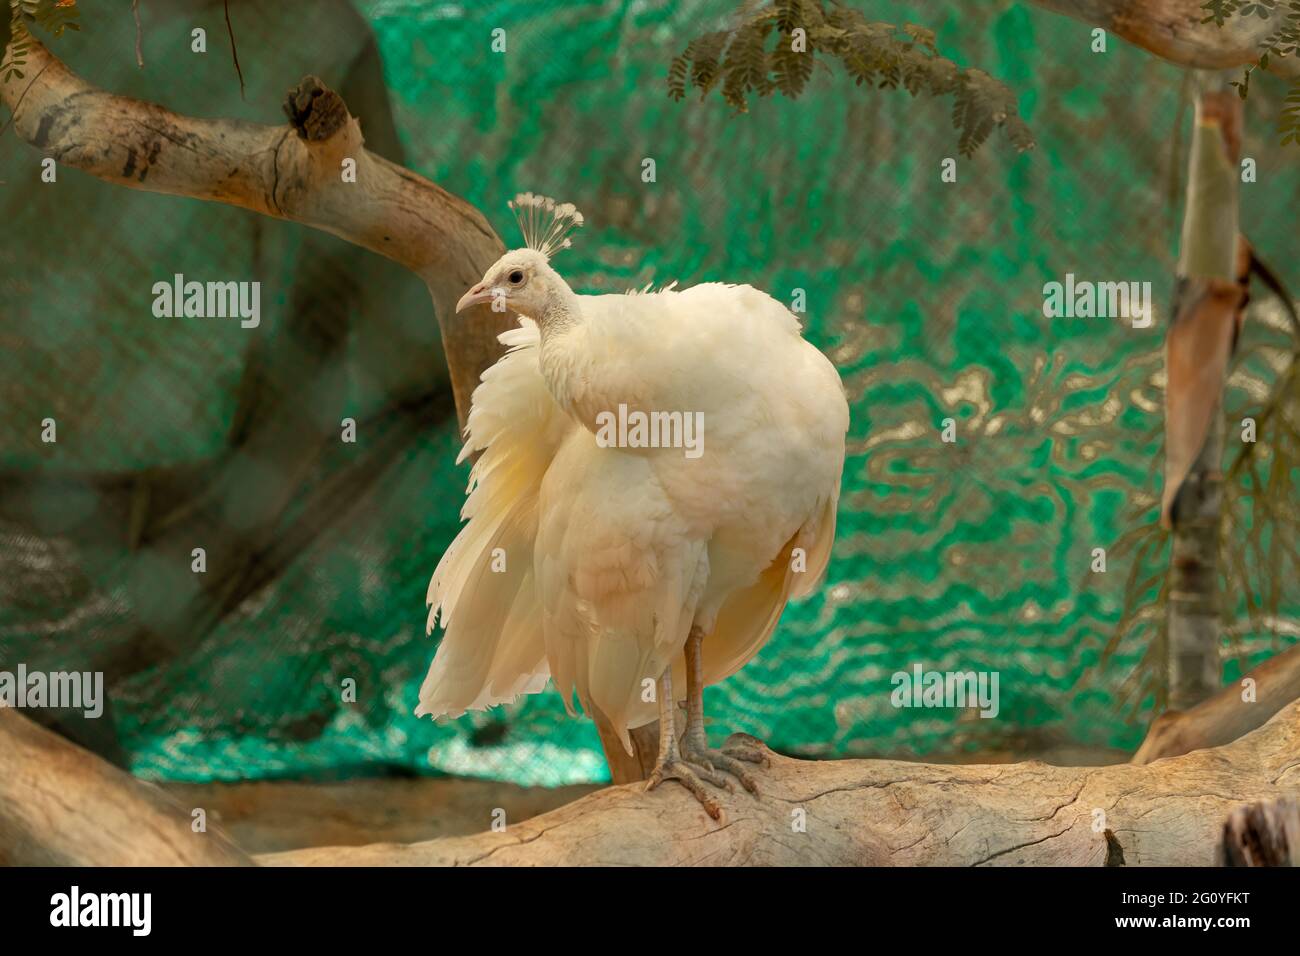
[[1200, 340], [627, 767], [1194, 665]]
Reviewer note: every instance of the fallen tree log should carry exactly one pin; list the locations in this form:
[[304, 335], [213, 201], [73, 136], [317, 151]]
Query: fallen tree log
[[292, 172], [887, 812], [63, 806]]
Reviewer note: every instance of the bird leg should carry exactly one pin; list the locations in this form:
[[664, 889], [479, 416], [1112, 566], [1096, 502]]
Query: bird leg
[[670, 765], [695, 742]]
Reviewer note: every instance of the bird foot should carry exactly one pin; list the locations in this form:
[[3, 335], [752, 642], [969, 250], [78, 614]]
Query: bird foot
[[738, 751], [675, 768]]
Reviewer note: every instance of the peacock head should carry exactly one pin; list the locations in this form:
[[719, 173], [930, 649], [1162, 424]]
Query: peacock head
[[523, 280]]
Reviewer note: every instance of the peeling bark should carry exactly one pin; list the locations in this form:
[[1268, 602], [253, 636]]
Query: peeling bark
[[1198, 347]]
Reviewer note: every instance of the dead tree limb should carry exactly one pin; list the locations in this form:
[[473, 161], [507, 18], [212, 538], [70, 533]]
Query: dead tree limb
[[63, 806], [291, 172], [60, 804], [885, 812]]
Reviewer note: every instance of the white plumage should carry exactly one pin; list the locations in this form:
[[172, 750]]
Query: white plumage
[[606, 557]]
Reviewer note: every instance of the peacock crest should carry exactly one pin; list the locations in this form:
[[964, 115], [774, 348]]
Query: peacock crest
[[545, 223]]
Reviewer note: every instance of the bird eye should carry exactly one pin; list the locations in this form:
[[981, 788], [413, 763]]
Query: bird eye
[[516, 277]]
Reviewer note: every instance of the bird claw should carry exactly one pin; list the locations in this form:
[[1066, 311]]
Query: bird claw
[[747, 748], [700, 755], [689, 777]]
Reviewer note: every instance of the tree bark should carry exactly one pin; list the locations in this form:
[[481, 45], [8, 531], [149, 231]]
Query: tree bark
[[1263, 834], [62, 806]]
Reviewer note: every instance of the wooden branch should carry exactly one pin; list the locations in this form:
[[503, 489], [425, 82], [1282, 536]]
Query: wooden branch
[[289, 172], [63, 806], [1173, 30], [885, 812], [1225, 716]]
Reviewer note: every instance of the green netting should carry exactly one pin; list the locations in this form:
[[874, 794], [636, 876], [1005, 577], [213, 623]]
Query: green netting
[[928, 296]]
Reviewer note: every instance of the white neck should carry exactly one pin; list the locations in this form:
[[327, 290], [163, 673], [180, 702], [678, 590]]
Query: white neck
[[560, 310], [562, 357]]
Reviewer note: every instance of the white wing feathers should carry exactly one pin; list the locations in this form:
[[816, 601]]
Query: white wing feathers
[[492, 650]]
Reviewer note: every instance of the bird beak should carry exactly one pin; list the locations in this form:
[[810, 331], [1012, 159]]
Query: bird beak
[[475, 296]]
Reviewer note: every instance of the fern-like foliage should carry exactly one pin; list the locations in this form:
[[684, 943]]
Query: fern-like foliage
[[1283, 41], [1261, 506], [51, 16], [773, 48], [1258, 557]]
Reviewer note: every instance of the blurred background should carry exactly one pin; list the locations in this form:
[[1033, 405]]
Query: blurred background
[[183, 433]]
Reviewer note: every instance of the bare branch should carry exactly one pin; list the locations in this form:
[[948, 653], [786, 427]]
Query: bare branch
[[287, 172], [1225, 716]]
